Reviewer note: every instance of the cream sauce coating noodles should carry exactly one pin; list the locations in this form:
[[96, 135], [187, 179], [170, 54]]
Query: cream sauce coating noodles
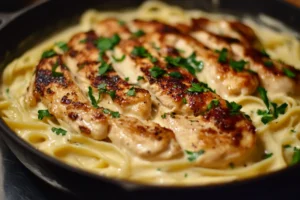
[[278, 138]]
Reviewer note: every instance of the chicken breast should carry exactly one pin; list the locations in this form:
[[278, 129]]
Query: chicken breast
[[216, 72], [275, 76], [54, 86], [220, 129], [115, 93]]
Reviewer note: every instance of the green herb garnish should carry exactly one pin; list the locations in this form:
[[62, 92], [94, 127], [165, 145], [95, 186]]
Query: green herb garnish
[[119, 59], [222, 55], [43, 113], [103, 68], [140, 51], [92, 98], [238, 65], [233, 107], [286, 146], [214, 103], [140, 78], [272, 112], [296, 156], [131, 92], [105, 44], [184, 101], [138, 33], [164, 116], [289, 73], [63, 46], [49, 54], [112, 113], [54, 73], [267, 155], [121, 22], [156, 72], [59, 131], [264, 53], [268, 63], [192, 156], [200, 87], [175, 74]]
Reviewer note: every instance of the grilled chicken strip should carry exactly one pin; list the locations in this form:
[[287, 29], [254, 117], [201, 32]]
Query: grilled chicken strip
[[83, 61], [221, 130], [54, 86], [275, 76], [219, 75]]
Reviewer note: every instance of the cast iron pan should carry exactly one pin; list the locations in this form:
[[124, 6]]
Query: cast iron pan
[[21, 30]]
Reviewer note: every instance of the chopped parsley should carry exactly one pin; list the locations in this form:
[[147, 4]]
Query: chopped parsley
[[190, 63], [289, 73], [140, 51], [180, 50], [92, 98], [131, 92], [156, 72], [231, 165], [63, 46], [140, 78], [268, 63], [119, 59], [83, 40], [296, 156], [200, 87], [264, 53], [112, 113], [154, 46], [237, 65], [185, 175], [223, 54], [49, 54], [104, 44], [59, 131], [286, 146], [138, 33], [102, 89], [267, 155], [293, 131], [212, 104], [175, 74], [271, 113], [192, 156], [7, 91], [184, 101], [164, 116], [121, 22], [233, 107], [54, 73], [103, 68], [43, 113], [127, 79]]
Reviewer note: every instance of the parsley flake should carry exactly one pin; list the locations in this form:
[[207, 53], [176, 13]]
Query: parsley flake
[[92, 98], [286, 146], [140, 78], [175, 74], [59, 131], [184, 101], [268, 63], [63, 46], [238, 65], [119, 59], [296, 156], [140, 51], [112, 113], [138, 33], [267, 155], [131, 92], [48, 54], [121, 22], [104, 44], [164, 116], [289, 73], [192, 156], [233, 107], [212, 104], [54, 73], [103, 68], [127, 79], [200, 87], [264, 53], [43, 113], [156, 72], [222, 55]]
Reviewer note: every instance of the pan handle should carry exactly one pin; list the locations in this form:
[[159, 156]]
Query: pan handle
[[6, 17]]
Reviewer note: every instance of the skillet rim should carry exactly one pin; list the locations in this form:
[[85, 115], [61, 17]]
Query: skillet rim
[[123, 183]]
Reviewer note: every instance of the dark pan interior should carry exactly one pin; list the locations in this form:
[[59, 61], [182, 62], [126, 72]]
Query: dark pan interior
[[39, 23]]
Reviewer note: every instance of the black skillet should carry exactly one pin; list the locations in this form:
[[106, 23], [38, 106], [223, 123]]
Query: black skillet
[[22, 30]]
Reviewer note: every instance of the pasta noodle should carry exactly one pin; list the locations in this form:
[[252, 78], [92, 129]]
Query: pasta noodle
[[105, 158]]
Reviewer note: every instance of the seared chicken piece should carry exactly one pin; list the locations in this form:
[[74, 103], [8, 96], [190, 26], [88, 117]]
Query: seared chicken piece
[[82, 59], [219, 75], [273, 75], [54, 86], [221, 130]]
